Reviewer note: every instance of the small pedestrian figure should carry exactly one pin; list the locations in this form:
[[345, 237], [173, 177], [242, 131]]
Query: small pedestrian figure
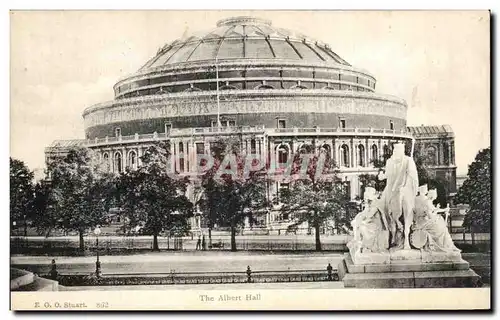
[[53, 269], [198, 243], [203, 243]]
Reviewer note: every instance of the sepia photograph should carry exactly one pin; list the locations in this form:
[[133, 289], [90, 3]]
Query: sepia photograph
[[217, 157]]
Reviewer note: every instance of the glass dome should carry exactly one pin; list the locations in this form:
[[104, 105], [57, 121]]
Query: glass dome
[[244, 38]]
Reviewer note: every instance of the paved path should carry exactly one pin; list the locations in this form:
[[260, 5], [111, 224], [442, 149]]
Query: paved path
[[194, 261]]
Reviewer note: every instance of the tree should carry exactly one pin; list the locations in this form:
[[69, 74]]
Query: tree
[[78, 194], [316, 194], [230, 195], [426, 177], [21, 191], [476, 192], [210, 193], [153, 200], [44, 218]]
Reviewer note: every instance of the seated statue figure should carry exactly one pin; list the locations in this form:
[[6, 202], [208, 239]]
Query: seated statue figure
[[370, 226], [430, 232]]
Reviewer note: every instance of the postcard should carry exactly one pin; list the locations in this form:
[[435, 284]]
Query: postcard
[[250, 160]]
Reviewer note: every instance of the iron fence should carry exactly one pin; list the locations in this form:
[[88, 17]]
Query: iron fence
[[283, 242], [174, 278]]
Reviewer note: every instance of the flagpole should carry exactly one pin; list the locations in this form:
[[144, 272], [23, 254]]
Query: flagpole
[[412, 147], [218, 98]]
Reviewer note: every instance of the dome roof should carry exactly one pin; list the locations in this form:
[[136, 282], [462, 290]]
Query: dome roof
[[244, 38]]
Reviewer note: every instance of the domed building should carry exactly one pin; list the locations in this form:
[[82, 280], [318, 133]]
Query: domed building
[[275, 89]]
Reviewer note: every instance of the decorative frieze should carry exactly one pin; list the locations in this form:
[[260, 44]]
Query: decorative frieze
[[297, 104]]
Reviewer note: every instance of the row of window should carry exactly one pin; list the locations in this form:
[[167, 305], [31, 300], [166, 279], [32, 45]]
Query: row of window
[[344, 154], [268, 73], [282, 152], [117, 164], [432, 158], [280, 124], [240, 86]]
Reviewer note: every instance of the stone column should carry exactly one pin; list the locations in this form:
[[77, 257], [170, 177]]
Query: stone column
[[206, 145], [139, 155], [192, 156], [352, 153], [334, 152], [452, 151], [262, 151], [440, 159], [367, 153], [176, 152], [380, 152], [110, 160], [272, 154], [172, 155], [124, 159]]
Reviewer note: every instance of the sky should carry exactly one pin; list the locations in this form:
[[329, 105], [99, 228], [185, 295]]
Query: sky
[[65, 61]]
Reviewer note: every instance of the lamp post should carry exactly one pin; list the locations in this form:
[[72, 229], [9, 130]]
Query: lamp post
[[348, 198], [97, 232], [25, 226]]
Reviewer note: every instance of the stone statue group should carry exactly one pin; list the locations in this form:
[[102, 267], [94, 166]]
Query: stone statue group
[[403, 216]]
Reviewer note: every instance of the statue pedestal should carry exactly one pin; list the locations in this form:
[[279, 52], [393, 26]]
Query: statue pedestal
[[406, 269]]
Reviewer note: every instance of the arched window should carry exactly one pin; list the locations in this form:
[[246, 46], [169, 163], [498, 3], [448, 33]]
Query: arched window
[[361, 155], [105, 157], [162, 91], [387, 151], [192, 89], [327, 150], [299, 87], [431, 158], [374, 153], [168, 128], [118, 162], [282, 151], [181, 157], [132, 160], [446, 154], [253, 146], [264, 86], [344, 156], [228, 87]]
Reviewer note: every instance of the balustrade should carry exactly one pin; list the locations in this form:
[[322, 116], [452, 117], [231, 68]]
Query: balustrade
[[246, 129]]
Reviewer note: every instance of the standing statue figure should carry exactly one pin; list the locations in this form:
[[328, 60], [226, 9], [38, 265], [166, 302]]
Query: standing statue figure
[[398, 197]]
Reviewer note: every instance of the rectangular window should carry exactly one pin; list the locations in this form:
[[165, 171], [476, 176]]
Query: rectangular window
[[391, 124], [200, 148], [118, 132], [168, 127], [232, 123], [281, 123], [347, 188], [214, 123], [342, 123]]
